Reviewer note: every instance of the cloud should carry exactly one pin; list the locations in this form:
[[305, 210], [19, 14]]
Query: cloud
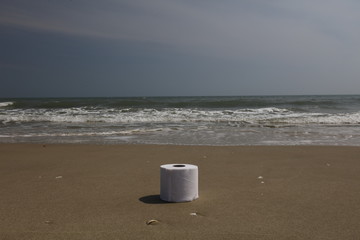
[[281, 40], [280, 29], [186, 23]]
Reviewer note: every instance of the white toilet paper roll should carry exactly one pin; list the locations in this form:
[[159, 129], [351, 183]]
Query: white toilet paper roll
[[178, 182]]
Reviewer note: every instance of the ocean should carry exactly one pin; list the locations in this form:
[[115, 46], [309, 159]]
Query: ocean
[[223, 121]]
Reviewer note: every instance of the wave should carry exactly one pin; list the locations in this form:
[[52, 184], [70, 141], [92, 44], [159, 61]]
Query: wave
[[259, 116], [291, 102], [85, 134], [6, 104], [54, 103], [139, 102]]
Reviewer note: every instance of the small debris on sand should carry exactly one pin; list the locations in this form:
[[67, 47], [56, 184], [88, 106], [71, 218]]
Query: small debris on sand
[[152, 222]]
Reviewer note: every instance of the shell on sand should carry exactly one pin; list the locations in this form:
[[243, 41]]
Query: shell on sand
[[152, 222]]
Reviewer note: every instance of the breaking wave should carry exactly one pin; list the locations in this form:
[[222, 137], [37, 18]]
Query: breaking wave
[[260, 116], [269, 120], [6, 104]]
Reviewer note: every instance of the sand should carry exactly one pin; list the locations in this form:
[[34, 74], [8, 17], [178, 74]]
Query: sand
[[111, 191]]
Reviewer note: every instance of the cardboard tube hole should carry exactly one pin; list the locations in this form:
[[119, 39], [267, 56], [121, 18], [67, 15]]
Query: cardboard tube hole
[[179, 165]]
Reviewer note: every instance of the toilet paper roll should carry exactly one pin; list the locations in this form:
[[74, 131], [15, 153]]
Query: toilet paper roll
[[178, 182]]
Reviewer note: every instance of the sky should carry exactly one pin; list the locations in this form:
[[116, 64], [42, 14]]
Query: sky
[[121, 48]]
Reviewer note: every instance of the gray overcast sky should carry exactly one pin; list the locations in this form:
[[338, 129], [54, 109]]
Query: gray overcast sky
[[53, 48]]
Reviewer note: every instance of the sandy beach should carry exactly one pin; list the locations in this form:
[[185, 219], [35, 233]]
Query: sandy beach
[[111, 191]]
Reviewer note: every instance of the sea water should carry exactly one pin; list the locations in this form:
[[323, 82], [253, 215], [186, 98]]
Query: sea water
[[237, 120]]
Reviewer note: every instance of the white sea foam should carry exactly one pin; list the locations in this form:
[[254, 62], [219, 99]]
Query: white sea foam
[[195, 121], [129, 132], [264, 126], [263, 116], [6, 104]]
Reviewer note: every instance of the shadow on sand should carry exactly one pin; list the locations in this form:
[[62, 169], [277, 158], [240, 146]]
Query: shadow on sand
[[152, 199]]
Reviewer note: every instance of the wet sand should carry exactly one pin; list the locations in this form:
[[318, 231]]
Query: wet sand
[[111, 191]]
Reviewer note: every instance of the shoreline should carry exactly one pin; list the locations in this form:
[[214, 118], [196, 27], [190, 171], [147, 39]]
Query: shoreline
[[176, 144], [81, 191]]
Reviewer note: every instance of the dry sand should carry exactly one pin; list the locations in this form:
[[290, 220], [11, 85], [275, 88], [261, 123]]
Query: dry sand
[[110, 191]]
